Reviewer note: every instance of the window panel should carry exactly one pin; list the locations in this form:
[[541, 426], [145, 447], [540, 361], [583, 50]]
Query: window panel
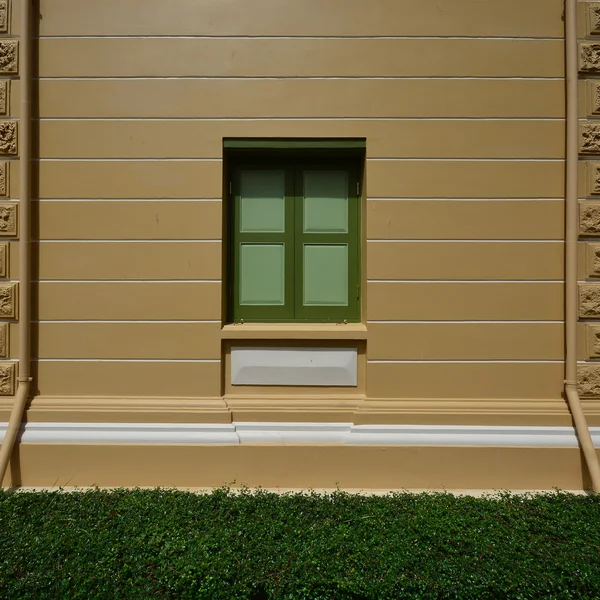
[[325, 201], [262, 201], [262, 274], [325, 275]]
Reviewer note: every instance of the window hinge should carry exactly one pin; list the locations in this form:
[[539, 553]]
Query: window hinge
[[357, 188], [358, 292], [230, 187]]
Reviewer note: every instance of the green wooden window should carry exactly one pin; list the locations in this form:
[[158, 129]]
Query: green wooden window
[[295, 242]]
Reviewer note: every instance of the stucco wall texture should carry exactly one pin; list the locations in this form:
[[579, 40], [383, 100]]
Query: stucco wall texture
[[462, 104]]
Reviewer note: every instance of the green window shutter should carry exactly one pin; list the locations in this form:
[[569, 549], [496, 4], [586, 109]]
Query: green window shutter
[[326, 244], [263, 244]]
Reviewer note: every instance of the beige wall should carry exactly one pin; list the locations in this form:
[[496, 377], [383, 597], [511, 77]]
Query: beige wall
[[462, 106]]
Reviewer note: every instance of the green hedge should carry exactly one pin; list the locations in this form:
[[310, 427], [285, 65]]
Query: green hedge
[[252, 545]]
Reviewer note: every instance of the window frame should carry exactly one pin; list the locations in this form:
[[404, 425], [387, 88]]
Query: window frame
[[294, 164]]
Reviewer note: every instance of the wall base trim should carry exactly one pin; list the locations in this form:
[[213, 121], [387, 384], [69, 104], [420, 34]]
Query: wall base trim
[[299, 433]]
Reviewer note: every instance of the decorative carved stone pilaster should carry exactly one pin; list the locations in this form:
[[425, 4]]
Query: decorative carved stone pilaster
[[4, 178], [589, 218], [4, 344], [589, 301], [8, 301], [8, 137], [9, 57], [4, 96], [592, 260], [588, 381], [3, 259], [589, 138], [8, 220], [592, 17], [4, 16], [589, 58], [592, 178], [7, 379]]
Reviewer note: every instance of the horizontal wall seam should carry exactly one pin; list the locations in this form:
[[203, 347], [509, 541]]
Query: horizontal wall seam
[[471, 281], [128, 280], [157, 241], [126, 199], [430, 199], [466, 361], [128, 360], [128, 321], [299, 78], [461, 241], [293, 118], [298, 37], [461, 322], [369, 159], [337, 433]]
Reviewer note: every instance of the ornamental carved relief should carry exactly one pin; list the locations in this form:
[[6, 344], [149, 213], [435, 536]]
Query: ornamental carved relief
[[4, 96], [589, 58], [8, 137], [3, 259], [4, 345], [593, 18], [592, 178], [8, 293], [7, 379], [589, 138], [592, 260], [589, 218], [4, 178], [588, 381], [4, 16], [8, 220], [589, 301], [9, 57], [593, 341]]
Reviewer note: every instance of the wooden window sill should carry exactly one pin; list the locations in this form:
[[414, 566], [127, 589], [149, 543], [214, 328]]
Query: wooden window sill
[[295, 331]]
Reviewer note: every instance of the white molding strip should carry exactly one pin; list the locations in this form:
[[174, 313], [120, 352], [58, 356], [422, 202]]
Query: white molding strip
[[300, 433]]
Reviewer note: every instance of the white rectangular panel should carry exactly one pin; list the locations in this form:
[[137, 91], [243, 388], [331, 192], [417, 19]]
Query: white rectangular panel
[[294, 366]]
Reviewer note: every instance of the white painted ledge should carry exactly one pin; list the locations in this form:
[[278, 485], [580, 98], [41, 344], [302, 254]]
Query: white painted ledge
[[299, 433]]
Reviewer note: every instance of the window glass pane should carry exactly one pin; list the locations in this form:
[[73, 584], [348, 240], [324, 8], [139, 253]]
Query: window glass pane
[[262, 274], [325, 202], [262, 201], [325, 275]]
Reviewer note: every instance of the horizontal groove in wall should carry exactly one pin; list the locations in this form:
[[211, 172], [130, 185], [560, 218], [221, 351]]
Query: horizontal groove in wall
[[294, 37], [158, 159], [149, 241], [300, 78], [126, 360], [460, 241], [462, 361], [155, 322], [465, 280], [126, 199], [126, 280], [300, 118], [431, 199], [461, 321]]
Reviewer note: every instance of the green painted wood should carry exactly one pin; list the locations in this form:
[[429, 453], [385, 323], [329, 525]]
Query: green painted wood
[[325, 275], [310, 271], [262, 201], [325, 201], [294, 144]]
